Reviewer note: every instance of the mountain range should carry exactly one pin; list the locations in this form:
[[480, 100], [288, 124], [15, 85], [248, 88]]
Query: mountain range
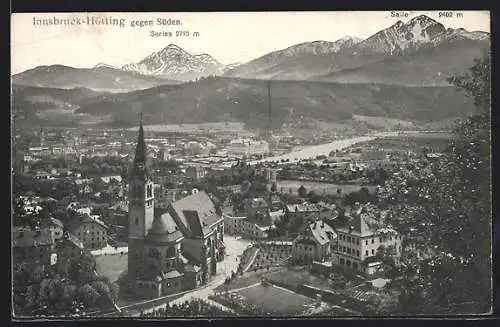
[[382, 58], [399, 72]]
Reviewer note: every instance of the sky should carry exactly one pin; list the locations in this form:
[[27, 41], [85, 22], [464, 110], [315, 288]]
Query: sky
[[229, 37]]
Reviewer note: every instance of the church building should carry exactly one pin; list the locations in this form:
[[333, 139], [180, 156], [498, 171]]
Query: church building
[[173, 249]]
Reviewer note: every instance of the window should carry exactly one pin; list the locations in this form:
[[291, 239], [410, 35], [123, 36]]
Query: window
[[366, 242], [355, 265], [357, 241], [380, 239], [373, 251], [366, 253], [357, 253], [373, 241], [171, 252], [349, 239], [342, 262], [136, 221], [349, 250]]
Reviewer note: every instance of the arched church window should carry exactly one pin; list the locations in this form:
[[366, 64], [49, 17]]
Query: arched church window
[[171, 252]]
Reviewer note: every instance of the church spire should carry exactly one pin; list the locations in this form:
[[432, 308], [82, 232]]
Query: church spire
[[140, 150]]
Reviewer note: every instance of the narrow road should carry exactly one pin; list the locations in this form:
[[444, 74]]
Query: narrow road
[[250, 263]]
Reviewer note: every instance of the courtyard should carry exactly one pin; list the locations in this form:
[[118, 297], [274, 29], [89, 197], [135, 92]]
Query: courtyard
[[111, 265]]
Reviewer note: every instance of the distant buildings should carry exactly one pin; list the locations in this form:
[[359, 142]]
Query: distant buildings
[[196, 172], [247, 147]]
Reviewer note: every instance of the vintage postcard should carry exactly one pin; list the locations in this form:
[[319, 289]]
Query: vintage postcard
[[242, 164]]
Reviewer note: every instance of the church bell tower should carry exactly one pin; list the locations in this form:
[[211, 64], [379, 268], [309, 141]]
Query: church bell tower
[[140, 207]]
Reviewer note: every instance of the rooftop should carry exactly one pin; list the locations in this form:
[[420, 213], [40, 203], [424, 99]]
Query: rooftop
[[322, 232], [24, 237]]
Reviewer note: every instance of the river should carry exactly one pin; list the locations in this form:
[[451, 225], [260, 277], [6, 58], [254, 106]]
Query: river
[[311, 152]]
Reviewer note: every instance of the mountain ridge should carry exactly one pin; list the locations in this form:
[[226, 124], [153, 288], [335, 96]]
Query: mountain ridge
[[101, 77]]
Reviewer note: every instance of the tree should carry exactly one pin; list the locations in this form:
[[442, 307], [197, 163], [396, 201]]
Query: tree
[[447, 203], [88, 295], [302, 191], [313, 197], [83, 271]]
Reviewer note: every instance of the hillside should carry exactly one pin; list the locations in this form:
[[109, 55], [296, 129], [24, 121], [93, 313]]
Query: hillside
[[99, 78], [241, 100]]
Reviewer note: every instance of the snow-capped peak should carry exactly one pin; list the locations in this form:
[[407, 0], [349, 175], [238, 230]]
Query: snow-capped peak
[[174, 62]]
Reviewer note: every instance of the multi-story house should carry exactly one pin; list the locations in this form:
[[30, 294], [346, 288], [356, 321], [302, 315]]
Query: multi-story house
[[316, 243], [301, 212], [248, 228], [92, 231], [34, 245], [360, 240]]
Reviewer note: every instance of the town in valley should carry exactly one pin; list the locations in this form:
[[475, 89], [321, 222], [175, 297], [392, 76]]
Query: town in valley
[[213, 191]]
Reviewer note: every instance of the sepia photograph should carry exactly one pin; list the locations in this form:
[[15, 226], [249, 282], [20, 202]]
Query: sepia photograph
[[251, 164]]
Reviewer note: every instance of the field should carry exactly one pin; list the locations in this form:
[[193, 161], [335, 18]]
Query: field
[[295, 277], [111, 266], [411, 141], [276, 299], [319, 188]]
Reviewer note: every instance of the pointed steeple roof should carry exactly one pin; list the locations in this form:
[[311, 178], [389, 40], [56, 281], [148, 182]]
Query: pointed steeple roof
[[140, 159], [140, 150]]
